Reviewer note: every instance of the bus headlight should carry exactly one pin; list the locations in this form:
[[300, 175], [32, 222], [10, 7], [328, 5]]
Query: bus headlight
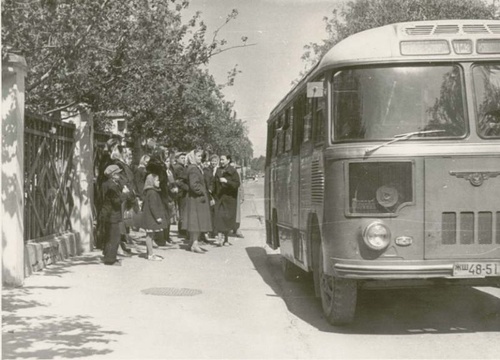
[[377, 235]]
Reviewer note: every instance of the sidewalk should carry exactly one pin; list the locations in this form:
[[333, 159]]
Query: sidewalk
[[186, 306]]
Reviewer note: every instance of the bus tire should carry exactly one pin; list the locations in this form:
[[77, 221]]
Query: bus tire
[[291, 272], [338, 297]]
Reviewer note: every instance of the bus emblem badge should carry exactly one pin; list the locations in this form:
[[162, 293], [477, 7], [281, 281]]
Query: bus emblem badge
[[476, 178]]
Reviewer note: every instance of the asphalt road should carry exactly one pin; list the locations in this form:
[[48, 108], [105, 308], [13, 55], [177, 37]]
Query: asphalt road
[[232, 303]]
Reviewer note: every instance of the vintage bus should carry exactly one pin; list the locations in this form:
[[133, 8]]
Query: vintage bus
[[383, 163]]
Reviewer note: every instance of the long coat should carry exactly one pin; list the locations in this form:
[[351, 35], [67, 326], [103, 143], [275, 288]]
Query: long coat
[[153, 209], [226, 195], [196, 217], [112, 196]]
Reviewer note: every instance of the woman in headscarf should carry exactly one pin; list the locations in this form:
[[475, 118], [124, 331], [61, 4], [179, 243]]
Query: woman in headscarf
[[196, 218]]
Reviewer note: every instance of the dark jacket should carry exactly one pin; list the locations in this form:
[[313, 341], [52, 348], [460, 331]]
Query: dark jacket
[[226, 195], [196, 217], [127, 179], [139, 178], [208, 173], [180, 175], [111, 210]]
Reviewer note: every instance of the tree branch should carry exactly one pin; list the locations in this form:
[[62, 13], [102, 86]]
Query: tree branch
[[231, 48], [77, 44], [61, 108]]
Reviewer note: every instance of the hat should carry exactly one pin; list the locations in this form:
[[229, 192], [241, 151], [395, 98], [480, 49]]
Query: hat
[[112, 169], [177, 154], [112, 142]]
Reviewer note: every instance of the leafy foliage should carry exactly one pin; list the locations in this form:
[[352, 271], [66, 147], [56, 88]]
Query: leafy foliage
[[258, 164], [359, 15], [134, 56]]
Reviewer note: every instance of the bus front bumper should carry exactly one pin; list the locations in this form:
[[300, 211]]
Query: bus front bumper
[[356, 271], [406, 270]]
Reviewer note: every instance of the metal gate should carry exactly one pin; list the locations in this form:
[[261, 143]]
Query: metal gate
[[48, 154]]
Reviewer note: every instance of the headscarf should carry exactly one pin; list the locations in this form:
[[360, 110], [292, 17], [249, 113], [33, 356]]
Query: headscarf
[[144, 160], [149, 183], [191, 158]]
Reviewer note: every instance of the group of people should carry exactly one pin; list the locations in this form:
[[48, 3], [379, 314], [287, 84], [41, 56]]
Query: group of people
[[198, 192]]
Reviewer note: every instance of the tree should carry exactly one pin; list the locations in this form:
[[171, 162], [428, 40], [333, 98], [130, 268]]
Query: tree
[[359, 15], [136, 56], [258, 164]]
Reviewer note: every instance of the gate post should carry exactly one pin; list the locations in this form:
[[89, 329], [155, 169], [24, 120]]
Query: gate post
[[83, 172], [14, 71]]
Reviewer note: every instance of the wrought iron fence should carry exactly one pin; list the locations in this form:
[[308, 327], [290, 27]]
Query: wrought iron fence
[[48, 153]]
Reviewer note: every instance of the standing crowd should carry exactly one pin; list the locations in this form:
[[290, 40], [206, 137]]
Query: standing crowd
[[200, 193]]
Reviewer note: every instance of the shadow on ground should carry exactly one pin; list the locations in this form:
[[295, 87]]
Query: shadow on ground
[[404, 311], [44, 337], [64, 266]]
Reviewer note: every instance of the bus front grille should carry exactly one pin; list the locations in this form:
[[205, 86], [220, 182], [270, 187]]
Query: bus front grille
[[470, 227], [462, 212]]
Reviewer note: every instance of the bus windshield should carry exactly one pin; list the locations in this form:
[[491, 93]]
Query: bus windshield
[[377, 103], [487, 91]]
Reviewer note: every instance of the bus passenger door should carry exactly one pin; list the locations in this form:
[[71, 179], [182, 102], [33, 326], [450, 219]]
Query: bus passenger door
[[303, 150]]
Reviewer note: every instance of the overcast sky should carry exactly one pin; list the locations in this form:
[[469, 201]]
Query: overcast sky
[[280, 29]]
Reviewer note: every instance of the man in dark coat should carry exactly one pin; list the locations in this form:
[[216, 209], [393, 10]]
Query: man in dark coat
[[226, 182], [126, 179]]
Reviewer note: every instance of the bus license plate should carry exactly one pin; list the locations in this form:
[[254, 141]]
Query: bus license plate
[[476, 269]]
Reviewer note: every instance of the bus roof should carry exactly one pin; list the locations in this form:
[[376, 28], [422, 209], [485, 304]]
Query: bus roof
[[378, 45]]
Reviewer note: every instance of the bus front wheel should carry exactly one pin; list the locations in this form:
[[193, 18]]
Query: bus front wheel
[[338, 297]]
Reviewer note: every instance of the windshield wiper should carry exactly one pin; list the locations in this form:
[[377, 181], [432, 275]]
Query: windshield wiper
[[400, 137]]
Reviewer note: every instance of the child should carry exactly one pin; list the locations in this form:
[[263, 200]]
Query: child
[[111, 212], [154, 215]]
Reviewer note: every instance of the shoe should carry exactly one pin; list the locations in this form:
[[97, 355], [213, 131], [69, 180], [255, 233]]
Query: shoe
[[170, 246], [239, 235], [197, 250], [116, 263], [226, 243], [155, 257]]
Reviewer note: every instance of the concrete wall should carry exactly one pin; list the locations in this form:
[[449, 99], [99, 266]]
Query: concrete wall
[[83, 178], [14, 71], [19, 259]]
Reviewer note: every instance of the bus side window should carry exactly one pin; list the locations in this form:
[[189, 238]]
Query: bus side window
[[308, 120], [275, 138], [269, 145], [280, 134], [318, 121], [298, 124], [288, 128]]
